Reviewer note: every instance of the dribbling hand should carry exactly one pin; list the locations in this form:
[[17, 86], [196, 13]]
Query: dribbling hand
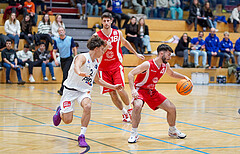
[[188, 79], [135, 94], [140, 56]]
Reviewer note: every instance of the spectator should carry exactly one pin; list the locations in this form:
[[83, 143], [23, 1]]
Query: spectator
[[102, 4], [226, 47], [39, 2], [197, 47], [41, 58], [144, 35], [44, 30], [162, 8], [12, 28], [9, 59], [212, 47], [237, 51], [3, 39], [207, 12], [25, 58], [80, 5], [26, 27], [15, 6], [29, 8], [175, 6], [140, 6], [117, 9], [90, 5], [152, 10], [114, 15], [56, 24], [235, 17], [183, 48], [66, 47], [132, 34], [195, 16]]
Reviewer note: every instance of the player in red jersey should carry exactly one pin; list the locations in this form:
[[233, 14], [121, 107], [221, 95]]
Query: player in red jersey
[[143, 90], [111, 68]]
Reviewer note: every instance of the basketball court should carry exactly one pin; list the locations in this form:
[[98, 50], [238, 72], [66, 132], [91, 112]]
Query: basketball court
[[208, 116]]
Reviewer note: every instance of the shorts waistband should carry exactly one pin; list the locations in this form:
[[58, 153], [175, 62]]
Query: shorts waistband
[[70, 88]]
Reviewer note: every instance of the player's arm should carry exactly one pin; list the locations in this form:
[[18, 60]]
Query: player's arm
[[105, 84], [174, 74], [80, 60], [74, 49], [137, 70], [129, 46]]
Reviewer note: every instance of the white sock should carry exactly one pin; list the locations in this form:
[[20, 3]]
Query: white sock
[[172, 128], [124, 111], [83, 130], [134, 131], [128, 106]]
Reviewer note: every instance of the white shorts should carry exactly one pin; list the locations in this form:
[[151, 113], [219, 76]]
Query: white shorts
[[68, 98]]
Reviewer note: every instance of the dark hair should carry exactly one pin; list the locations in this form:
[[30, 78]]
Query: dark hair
[[238, 5], [106, 15], [8, 40], [42, 43], [26, 46], [164, 47], [77, 45], [94, 41], [200, 32], [43, 20]]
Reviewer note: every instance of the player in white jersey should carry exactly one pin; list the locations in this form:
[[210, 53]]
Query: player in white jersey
[[78, 86]]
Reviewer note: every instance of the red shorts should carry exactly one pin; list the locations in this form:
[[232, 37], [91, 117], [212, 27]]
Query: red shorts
[[114, 77], [152, 97]]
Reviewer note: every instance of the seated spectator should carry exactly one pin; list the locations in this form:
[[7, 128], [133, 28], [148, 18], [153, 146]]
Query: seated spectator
[[226, 47], [25, 58], [183, 48], [44, 30], [109, 9], [195, 16], [39, 2], [80, 5], [162, 8], [56, 24], [29, 8], [26, 26], [102, 4], [132, 34], [9, 59], [235, 17], [140, 6], [3, 39], [12, 28], [237, 51], [144, 35], [175, 6], [197, 47], [15, 6], [41, 58], [90, 5], [119, 15], [207, 12], [212, 47], [151, 9]]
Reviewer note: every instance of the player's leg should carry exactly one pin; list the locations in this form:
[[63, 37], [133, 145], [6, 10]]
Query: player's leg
[[170, 108], [124, 97], [85, 102], [136, 117]]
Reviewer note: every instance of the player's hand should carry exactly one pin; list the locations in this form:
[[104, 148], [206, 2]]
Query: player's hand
[[118, 87], [83, 74], [135, 94], [188, 79], [140, 56]]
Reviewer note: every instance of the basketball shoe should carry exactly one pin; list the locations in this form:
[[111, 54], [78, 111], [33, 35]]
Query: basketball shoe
[[126, 118], [133, 138], [57, 118], [130, 113], [176, 134], [81, 141]]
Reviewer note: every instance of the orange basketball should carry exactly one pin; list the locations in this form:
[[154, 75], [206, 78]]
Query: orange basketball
[[184, 87]]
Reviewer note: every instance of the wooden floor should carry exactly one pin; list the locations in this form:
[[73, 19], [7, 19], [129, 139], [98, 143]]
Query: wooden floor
[[208, 116]]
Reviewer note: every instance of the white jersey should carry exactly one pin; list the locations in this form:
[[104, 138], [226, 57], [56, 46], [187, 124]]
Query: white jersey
[[79, 83]]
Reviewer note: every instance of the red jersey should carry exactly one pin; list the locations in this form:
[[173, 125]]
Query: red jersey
[[149, 78], [112, 58]]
